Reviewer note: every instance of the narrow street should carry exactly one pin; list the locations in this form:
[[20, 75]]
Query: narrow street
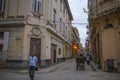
[[64, 72], [45, 35]]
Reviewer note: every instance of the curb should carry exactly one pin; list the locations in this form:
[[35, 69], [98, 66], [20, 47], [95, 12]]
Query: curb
[[40, 71]]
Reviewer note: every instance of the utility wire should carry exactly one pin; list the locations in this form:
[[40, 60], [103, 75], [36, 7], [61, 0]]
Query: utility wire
[[63, 22], [59, 21]]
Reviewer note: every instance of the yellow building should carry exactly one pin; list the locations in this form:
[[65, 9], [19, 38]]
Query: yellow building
[[76, 41], [104, 27], [34, 26]]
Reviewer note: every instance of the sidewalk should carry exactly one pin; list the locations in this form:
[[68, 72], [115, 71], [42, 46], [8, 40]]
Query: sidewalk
[[93, 66], [40, 71]]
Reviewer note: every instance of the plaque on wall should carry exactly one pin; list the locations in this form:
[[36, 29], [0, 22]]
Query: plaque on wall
[[36, 31]]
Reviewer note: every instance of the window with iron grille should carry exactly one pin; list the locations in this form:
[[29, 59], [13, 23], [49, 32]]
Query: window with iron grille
[[2, 8]]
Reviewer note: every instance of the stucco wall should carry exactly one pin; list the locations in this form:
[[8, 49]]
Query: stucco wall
[[109, 44], [110, 41], [15, 47], [15, 43]]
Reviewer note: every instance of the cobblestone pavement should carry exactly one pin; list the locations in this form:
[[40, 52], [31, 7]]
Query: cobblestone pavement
[[64, 72]]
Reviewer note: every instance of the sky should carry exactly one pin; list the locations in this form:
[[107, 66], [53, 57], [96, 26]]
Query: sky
[[79, 16]]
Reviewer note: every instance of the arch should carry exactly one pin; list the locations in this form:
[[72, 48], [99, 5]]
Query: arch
[[108, 26]]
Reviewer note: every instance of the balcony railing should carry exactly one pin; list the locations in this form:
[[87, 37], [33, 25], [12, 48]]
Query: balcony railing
[[108, 6]]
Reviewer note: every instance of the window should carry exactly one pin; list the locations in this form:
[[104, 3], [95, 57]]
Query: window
[[60, 25], [37, 6], [1, 34], [66, 32], [108, 26], [54, 16], [63, 31], [4, 37], [2, 5], [64, 9], [60, 5], [1, 47], [2, 8]]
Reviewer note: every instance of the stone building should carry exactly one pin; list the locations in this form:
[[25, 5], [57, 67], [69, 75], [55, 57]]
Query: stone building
[[76, 41], [88, 45], [42, 27], [104, 27]]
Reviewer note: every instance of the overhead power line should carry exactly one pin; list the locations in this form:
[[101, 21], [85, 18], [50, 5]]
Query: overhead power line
[[80, 23], [63, 22], [47, 20]]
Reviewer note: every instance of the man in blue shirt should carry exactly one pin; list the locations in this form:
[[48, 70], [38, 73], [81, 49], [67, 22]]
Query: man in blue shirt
[[32, 63]]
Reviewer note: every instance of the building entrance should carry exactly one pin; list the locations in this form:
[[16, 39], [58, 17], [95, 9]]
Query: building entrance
[[53, 53], [35, 47]]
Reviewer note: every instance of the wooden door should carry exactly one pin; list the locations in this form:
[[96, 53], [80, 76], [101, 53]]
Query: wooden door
[[53, 53], [35, 47]]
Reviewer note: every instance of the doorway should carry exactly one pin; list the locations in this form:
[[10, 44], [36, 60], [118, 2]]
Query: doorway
[[35, 47], [53, 53], [54, 56]]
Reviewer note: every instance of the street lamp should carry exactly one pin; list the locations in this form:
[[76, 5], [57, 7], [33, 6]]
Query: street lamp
[[75, 48]]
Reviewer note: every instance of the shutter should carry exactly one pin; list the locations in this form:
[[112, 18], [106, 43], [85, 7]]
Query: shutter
[[40, 6], [33, 5], [5, 42], [3, 5], [36, 6]]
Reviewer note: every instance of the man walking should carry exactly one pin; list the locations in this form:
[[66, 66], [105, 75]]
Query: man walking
[[32, 63]]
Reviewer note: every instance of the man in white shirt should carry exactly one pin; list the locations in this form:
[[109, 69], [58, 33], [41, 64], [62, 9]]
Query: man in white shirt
[[32, 63]]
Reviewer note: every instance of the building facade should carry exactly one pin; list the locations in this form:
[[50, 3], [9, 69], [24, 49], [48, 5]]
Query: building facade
[[88, 45], [76, 41], [42, 27], [104, 27]]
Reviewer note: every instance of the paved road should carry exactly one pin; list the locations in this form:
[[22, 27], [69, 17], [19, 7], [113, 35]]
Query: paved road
[[65, 72]]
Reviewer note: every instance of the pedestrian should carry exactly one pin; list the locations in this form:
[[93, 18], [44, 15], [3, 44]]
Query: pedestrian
[[91, 58], [88, 59], [32, 63]]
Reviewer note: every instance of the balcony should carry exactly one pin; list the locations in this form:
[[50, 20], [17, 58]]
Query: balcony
[[108, 6]]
